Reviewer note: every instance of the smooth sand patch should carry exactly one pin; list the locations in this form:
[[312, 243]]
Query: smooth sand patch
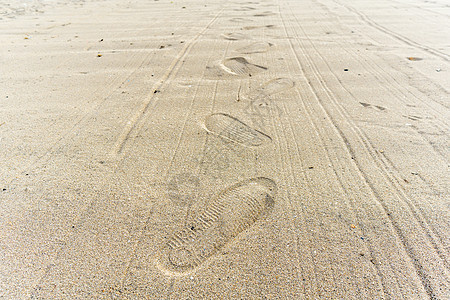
[[224, 149]]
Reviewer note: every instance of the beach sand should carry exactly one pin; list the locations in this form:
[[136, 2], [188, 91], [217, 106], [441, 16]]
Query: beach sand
[[267, 149]]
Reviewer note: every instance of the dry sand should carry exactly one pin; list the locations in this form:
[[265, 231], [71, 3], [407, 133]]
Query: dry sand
[[224, 149]]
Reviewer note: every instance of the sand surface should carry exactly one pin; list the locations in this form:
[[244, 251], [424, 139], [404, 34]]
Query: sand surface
[[263, 149]]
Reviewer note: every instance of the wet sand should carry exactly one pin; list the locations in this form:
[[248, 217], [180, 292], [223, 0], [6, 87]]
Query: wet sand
[[224, 149]]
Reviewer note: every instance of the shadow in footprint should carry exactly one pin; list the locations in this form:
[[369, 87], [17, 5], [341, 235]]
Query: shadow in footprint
[[413, 118], [265, 14], [376, 107], [257, 27], [244, 8], [235, 36], [241, 66], [258, 47]]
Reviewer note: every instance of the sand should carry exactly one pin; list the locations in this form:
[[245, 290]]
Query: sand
[[269, 149]]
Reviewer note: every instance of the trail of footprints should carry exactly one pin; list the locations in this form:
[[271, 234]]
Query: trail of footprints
[[239, 206], [233, 210]]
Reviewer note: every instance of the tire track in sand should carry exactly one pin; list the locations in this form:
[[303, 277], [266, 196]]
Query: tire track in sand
[[410, 249], [395, 35]]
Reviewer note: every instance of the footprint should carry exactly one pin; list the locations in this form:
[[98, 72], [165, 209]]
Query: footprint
[[235, 36], [241, 66], [183, 188], [276, 85], [233, 211], [232, 129], [258, 47], [217, 159]]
